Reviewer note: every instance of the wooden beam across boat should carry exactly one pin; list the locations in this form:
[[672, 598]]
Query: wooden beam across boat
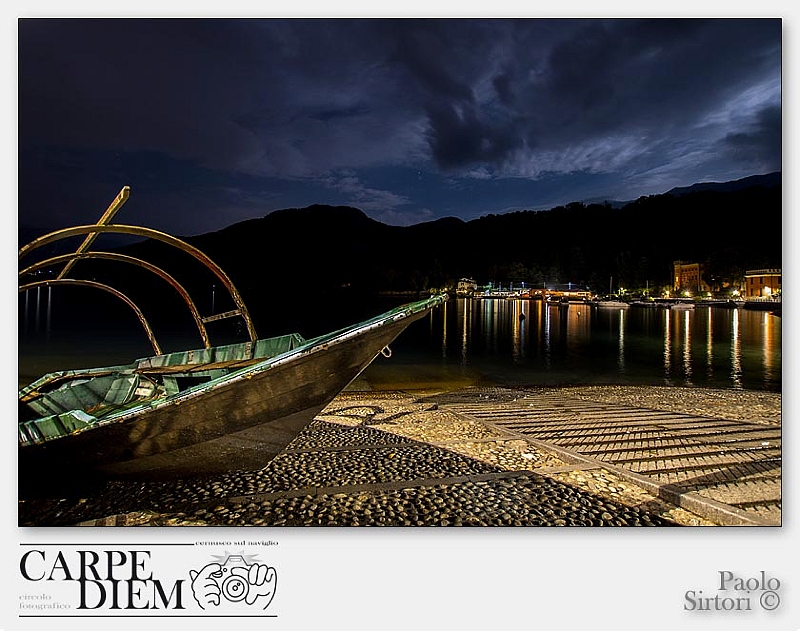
[[108, 215], [189, 368]]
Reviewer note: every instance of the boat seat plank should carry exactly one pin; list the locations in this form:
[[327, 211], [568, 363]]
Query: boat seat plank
[[194, 368]]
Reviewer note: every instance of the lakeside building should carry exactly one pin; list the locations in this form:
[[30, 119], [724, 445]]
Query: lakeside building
[[466, 287], [562, 292], [688, 277], [581, 295], [762, 283]]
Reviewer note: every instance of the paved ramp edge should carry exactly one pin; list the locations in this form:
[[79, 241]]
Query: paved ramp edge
[[722, 514]]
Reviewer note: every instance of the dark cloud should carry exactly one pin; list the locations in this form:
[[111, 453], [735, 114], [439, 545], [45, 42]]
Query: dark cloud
[[761, 145], [326, 103], [427, 51], [459, 138], [611, 77], [505, 89], [342, 112]]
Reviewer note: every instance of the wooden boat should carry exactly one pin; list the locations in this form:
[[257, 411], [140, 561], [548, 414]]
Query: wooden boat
[[193, 412], [611, 304]]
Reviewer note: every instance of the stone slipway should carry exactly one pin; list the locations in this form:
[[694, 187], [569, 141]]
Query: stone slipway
[[716, 453], [485, 456]]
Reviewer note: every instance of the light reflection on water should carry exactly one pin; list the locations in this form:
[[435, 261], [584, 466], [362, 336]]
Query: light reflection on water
[[736, 352], [531, 342], [514, 342]]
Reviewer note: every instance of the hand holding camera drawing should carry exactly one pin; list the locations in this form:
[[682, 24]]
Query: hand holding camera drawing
[[236, 581]]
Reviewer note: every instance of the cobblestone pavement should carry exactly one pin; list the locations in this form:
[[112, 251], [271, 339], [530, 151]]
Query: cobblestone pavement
[[715, 449], [736, 405], [393, 459]]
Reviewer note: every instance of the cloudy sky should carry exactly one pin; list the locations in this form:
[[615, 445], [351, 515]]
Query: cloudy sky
[[213, 121]]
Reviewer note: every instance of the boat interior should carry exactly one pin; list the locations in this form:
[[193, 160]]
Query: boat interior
[[60, 403]]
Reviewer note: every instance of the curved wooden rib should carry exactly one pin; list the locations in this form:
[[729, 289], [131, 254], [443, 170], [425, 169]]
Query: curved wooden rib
[[198, 320], [109, 289], [159, 236]]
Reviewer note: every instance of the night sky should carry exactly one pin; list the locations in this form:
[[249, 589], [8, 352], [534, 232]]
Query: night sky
[[213, 121]]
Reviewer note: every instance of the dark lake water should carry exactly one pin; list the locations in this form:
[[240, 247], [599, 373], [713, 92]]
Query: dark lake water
[[470, 342], [526, 342]]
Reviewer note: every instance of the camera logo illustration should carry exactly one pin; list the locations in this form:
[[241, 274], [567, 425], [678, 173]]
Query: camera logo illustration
[[237, 581]]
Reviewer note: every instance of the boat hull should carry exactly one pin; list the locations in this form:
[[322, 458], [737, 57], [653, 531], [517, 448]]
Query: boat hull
[[612, 304], [236, 425]]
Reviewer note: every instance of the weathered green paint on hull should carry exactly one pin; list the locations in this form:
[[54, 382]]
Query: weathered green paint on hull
[[236, 422]]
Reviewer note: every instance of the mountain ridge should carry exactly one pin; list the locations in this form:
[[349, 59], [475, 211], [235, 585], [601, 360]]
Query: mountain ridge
[[766, 179], [319, 254], [353, 214]]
